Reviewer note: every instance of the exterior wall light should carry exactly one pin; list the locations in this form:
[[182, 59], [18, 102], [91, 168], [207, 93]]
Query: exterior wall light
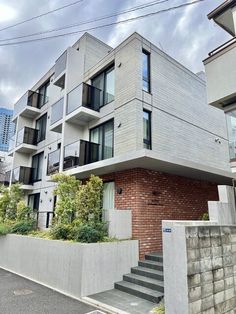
[[119, 190]]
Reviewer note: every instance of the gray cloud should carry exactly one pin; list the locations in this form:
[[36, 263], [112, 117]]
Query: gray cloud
[[185, 34]]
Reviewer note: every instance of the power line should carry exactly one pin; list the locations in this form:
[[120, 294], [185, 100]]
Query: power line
[[105, 25], [40, 15], [114, 14]]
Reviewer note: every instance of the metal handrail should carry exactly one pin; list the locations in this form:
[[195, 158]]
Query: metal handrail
[[222, 47]]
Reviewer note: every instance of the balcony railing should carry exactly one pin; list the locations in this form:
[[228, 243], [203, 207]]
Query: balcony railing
[[27, 136], [22, 175], [222, 47], [80, 153], [60, 64], [12, 143], [29, 99], [57, 111], [53, 162], [83, 95]]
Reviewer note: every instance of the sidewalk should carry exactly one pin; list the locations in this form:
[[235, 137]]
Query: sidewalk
[[22, 296]]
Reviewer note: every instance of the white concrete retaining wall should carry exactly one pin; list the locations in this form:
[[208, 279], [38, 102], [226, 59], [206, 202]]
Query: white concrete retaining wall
[[199, 267], [119, 223], [72, 268], [223, 211]]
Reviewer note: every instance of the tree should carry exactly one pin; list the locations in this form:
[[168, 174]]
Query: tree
[[10, 197], [66, 197], [89, 201]]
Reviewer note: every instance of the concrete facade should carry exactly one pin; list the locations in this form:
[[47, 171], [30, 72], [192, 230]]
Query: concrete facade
[[188, 138], [86, 268], [220, 68], [206, 278]]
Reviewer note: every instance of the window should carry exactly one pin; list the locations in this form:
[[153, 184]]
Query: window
[[104, 135], [231, 124], [33, 201], [147, 130], [37, 165], [43, 94], [146, 71], [41, 125], [105, 81]]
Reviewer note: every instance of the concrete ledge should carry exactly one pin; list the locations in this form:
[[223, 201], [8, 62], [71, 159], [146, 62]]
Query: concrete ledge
[[74, 269]]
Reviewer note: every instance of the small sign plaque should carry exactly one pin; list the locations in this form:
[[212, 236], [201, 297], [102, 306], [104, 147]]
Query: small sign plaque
[[168, 230]]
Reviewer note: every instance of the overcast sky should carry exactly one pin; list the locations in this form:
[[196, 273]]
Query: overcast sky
[[186, 34]]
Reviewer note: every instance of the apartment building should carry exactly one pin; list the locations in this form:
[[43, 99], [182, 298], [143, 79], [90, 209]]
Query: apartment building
[[132, 115], [7, 128], [220, 66]]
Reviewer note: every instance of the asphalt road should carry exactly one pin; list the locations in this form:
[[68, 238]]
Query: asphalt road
[[22, 296]]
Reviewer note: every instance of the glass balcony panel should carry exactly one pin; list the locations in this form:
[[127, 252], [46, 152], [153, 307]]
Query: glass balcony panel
[[80, 153], [29, 99], [22, 175], [60, 64], [71, 155], [12, 143], [53, 162], [27, 136], [57, 111], [83, 95]]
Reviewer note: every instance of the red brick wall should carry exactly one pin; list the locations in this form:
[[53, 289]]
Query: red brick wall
[[154, 196]]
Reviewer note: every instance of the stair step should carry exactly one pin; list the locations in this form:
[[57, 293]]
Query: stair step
[[148, 272], [139, 291], [145, 282], [158, 257], [151, 264]]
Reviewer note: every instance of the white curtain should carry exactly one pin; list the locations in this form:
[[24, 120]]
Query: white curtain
[[109, 195]]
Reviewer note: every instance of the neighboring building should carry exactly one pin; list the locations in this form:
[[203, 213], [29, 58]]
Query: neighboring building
[[7, 128], [220, 69], [132, 115]]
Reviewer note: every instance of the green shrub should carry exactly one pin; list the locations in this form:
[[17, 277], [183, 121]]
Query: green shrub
[[23, 227], [205, 216], [23, 212], [4, 229], [160, 309], [89, 233], [61, 232]]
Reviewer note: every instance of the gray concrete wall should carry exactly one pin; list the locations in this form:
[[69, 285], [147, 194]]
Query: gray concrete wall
[[223, 211], [119, 223], [71, 268], [199, 267]]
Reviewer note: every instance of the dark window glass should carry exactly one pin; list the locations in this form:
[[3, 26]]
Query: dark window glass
[[43, 95], [147, 129], [33, 201], [37, 165], [104, 136], [41, 125], [105, 81], [146, 71]]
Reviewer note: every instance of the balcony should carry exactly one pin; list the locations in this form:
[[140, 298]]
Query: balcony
[[26, 141], [80, 153], [83, 104], [23, 175], [60, 69], [56, 116], [11, 145], [220, 69], [53, 162], [28, 105]]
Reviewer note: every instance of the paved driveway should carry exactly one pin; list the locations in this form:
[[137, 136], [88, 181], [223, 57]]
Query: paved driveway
[[22, 296]]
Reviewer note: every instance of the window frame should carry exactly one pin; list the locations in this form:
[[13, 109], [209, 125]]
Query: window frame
[[148, 79], [44, 86], [102, 125], [148, 141], [104, 73], [37, 171], [44, 116]]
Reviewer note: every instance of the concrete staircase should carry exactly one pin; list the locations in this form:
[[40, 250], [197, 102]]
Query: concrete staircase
[[145, 281]]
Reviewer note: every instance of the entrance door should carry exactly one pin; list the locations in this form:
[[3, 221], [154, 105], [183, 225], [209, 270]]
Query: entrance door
[[109, 196]]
